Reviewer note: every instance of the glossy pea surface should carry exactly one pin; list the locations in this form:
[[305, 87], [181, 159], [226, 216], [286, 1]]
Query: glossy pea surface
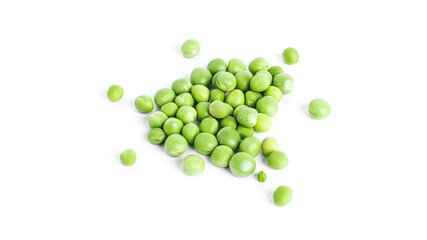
[[209, 125], [205, 143], [201, 76], [225, 81], [184, 99], [250, 145], [156, 136], [263, 123], [173, 126], [258, 64], [290, 56], [245, 131], [169, 109], [217, 95], [182, 85], [230, 137], [157, 119], [262, 176], [251, 98], [284, 82], [190, 48], [128, 157], [228, 121], [164, 96], [236, 65], [186, 114], [243, 80], [176, 145], [274, 92], [115, 93], [242, 164], [247, 117], [319, 109], [282, 196], [221, 156], [235, 98], [267, 105], [202, 109], [190, 131], [200, 93], [274, 70], [277, 160], [220, 109], [192, 165], [269, 145], [217, 65], [144, 104], [261, 81]]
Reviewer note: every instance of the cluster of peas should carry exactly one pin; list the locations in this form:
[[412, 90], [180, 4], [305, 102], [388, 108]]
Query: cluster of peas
[[230, 104]]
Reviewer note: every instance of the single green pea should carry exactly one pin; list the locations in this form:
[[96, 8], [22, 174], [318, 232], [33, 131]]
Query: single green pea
[[156, 136], [186, 114], [169, 109], [267, 105], [190, 131], [284, 82], [144, 104], [221, 156], [201, 76], [258, 64], [217, 65], [319, 109], [157, 119], [251, 98], [261, 81], [128, 157], [274, 70], [247, 117], [269, 145], [209, 125], [236, 65], [237, 110], [262, 176], [193, 165], [282, 196], [200, 93], [243, 80], [274, 92], [202, 109], [263, 123], [228, 121], [277, 160], [290, 56], [217, 94], [220, 109], [235, 98], [225, 81], [164, 96], [205, 143], [182, 85], [250, 145], [173, 126], [190, 48], [115, 93], [230, 137], [245, 131], [242, 164], [176, 145], [184, 99]]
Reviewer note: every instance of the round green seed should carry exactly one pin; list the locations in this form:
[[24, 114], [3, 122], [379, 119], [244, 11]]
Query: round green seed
[[242, 164], [274, 70], [236, 65], [144, 104], [115, 93], [319, 109], [128, 157], [176, 145], [217, 65], [290, 56], [190, 131], [284, 82], [277, 160], [258, 64], [263, 123], [182, 85], [220, 109], [228, 121], [250, 145], [221, 156], [193, 165], [247, 117], [186, 114], [156, 136], [245, 131], [274, 92], [169, 109], [217, 95], [251, 98], [201, 76], [261, 81], [225, 81], [184, 99], [243, 80], [209, 125], [235, 98], [157, 119], [237, 110], [282, 196], [262, 176], [190, 48], [267, 105], [269, 145], [205, 143], [230, 137], [164, 96], [202, 109], [200, 93], [173, 126]]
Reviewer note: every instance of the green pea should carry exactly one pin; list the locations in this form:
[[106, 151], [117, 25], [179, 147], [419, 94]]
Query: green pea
[[263, 123], [190, 131], [284, 82], [237, 110], [290, 56], [267, 105], [169, 109], [184, 99], [182, 85], [243, 80], [156, 136], [230, 137], [247, 117], [235, 98], [251, 98], [202, 109], [228, 121], [274, 92], [225, 81], [269, 145], [236, 65], [209, 125], [173, 126], [220, 109], [205, 143], [319, 109], [274, 70], [201, 76], [190, 48], [217, 65], [200, 93], [193, 165], [282, 196], [128, 157], [115, 93], [187, 114], [221, 156], [277, 160], [245, 131], [144, 104], [176, 145], [262, 176], [157, 119], [261, 81], [217, 94], [242, 164], [258, 64], [164, 96], [250, 145]]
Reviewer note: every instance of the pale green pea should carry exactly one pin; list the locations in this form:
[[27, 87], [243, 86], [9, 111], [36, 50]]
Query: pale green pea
[[184, 99], [164, 96], [157, 119], [236, 65], [282, 196], [230, 137], [267, 105], [319, 109], [225, 81], [187, 114], [144, 104], [156, 136], [173, 126], [228, 121], [205, 143], [182, 85], [251, 98], [220, 109], [262, 176], [263, 123], [250, 145], [202, 109], [261, 81], [115, 93], [190, 48], [176, 145], [258, 64], [200, 93], [217, 94], [274, 92], [247, 117], [190, 131], [201, 76], [217, 65], [284, 82], [269, 145], [169, 109], [221, 156], [290, 56], [192, 165], [243, 80], [209, 125], [245, 131], [274, 70], [128, 157], [237, 110], [235, 98], [242, 164], [277, 160]]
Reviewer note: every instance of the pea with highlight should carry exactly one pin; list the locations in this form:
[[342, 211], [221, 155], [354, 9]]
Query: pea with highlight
[[144, 104], [193, 165], [319, 109], [190, 48], [176, 145], [115, 93], [201, 76], [290, 56], [128, 157], [236, 65], [164, 96], [217, 65], [258, 64]]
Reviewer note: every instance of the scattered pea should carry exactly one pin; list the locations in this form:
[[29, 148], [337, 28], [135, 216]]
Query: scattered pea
[[156, 136], [290, 56], [164, 96], [236, 65], [176, 145], [217, 65], [267, 105], [190, 131], [221, 156], [144, 104], [263, 123], [284, 82], [258, 64], [182, 85], [319, 109], [128, 157], [269, 145], [193, 165], [242, 164], [277, 160], [282, 196], [201, 76], [250, 145], [190, 48], [205, 143], [115, 93], [157, 119], [262, 176]]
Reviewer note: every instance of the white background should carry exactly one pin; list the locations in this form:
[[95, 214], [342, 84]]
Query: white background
[[359, 174]]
